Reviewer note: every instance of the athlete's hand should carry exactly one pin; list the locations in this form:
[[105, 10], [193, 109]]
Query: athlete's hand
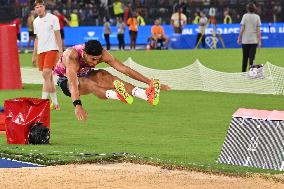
[[165, 87], [259, 44], [80, 113], [34, 60]]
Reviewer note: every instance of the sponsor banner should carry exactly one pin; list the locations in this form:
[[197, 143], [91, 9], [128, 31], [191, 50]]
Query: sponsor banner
[[229, 40], [272, 35]]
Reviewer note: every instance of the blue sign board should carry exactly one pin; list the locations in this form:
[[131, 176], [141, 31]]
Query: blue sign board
[[272, 35]]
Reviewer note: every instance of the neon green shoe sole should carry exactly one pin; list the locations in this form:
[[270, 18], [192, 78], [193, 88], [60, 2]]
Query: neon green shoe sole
[[157, 86], [153, 92], [122, 93]]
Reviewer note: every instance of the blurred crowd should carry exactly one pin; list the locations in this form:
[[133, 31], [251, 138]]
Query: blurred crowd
[[93, 12]]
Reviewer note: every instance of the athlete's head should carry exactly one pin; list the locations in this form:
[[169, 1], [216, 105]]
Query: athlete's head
[[39, 6], [251, 8], [93, 52]]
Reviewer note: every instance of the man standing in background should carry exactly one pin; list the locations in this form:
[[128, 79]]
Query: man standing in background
[[74, 18], [140, 19], [250, 36], [201, 30], [120, 33], [47, 45], [178, 20], [30, 29], [17, 23], [118, 9], [133, 30], [107, 32], [62, 20], [227, 17]]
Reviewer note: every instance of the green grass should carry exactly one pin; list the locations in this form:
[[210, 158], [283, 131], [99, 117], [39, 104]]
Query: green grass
[[186, 129], [227, 60]]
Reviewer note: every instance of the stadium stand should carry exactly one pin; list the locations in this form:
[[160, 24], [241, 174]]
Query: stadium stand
[[91, 12]]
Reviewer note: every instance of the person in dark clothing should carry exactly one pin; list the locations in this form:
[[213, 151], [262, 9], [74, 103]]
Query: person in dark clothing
[[107, 32], [120, 33], [250, 36]]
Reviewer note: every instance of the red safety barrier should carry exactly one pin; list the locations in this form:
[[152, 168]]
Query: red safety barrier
[[2, 122], [21, 113], [10, 75]]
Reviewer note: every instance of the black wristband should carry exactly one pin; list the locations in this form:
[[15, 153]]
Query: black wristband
[[77, 102]]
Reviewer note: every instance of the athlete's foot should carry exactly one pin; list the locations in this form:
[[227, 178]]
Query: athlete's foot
[[55, 107], [121, 92], [153, 92]]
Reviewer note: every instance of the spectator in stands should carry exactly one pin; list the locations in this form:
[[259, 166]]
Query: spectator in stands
[[133, 30], [48, 46], [30, 21], [203, 22], [212, 14], [118, 9], [74, 19], [182, 4], [196, 18], [62, 20], [178, 20], [127, 12], [107, 32], [140, 19], [120, 33], [250, 35], [158, 35], [17, 23], [227, 17], [96, 15], [50, 4]]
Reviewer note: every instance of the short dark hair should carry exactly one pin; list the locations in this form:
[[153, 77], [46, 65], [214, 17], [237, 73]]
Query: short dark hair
[[251, 7], [93, 47], [39, 2]]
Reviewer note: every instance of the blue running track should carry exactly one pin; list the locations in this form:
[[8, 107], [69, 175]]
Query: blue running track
[[10, 163]]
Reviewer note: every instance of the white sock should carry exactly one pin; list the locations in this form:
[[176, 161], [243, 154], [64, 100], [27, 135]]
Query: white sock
[[53, 97], [44, 95], [139, 93], [110, 94]]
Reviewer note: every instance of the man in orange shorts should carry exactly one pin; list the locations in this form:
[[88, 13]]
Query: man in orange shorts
[[48, 45]]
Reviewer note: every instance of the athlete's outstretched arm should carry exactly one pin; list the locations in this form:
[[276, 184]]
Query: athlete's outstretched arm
[[70, 60], [116, 64]]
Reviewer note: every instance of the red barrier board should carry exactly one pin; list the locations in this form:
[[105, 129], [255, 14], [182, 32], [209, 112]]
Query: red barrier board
[[2, 122], [10, 75], [21, 113]]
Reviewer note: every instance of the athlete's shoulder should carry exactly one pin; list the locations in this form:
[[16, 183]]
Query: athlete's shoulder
[[71, 53], [78, 47]]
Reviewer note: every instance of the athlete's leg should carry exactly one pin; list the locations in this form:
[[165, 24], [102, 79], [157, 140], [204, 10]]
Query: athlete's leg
[[88, 86], [106, 80]]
